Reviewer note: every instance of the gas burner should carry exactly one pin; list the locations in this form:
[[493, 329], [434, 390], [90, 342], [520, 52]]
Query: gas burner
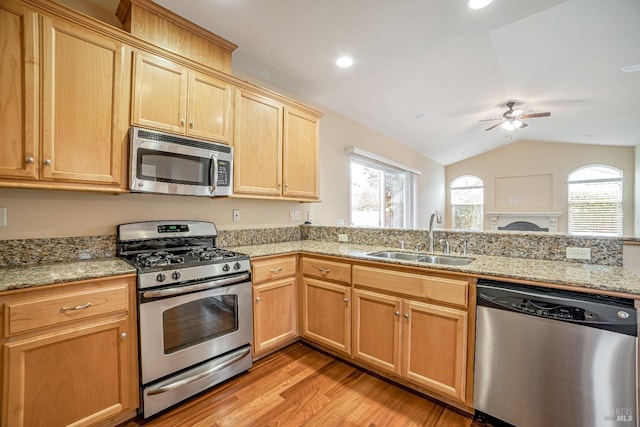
[[210, 254], [158, 259]]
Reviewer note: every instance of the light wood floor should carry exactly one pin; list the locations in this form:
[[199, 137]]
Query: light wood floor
[[300, 386]]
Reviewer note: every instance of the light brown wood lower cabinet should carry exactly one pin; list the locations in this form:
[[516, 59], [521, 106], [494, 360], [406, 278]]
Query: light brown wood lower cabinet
[[326, 314], [275, 316], [423, 343], [69, 363]]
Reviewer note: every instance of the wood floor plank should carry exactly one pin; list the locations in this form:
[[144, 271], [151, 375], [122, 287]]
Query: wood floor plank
[[300, 386]]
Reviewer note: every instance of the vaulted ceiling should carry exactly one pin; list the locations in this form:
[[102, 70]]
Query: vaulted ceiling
[[427, 71]]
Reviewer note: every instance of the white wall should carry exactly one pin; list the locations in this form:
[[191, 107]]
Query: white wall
[[531, 162]]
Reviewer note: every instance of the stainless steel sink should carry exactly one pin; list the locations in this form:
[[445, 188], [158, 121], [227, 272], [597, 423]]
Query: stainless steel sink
[[418, 257]]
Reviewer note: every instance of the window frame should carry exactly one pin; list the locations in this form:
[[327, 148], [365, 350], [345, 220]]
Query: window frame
[[467, 187], [410, 201], [619, 178]]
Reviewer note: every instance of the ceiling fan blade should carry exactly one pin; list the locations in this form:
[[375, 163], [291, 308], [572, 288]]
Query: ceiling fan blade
[[534, 115], [524, 125], [494, 126], [488, 120]]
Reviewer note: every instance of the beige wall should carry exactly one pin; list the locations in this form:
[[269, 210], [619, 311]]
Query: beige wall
[[40, 213], [532, 176], [636, 217]]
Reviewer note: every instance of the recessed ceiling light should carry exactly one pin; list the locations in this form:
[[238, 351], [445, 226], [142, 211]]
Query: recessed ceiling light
[[421, 116], [478, 4], [344, 62], [631, 68]]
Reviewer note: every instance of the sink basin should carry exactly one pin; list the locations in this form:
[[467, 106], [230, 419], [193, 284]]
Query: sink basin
[[418, 257]]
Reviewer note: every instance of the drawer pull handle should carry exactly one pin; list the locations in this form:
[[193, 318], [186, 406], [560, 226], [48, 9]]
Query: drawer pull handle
[[77, 307], [276, 270], [324, 270]]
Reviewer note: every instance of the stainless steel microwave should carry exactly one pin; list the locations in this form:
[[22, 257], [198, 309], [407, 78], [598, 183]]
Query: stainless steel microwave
[[169, 164]]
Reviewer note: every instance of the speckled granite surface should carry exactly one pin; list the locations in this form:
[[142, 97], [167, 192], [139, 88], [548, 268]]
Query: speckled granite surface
[[47, 274], [600, 277], [546, 246], [61, 249]]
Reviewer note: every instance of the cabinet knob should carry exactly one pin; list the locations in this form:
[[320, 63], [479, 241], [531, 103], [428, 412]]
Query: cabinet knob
[[46, 161], [397, 313], [346, 300], [257, 299], [181, 122], [406, 315], [123, 336], [29, 160], [191, 124]]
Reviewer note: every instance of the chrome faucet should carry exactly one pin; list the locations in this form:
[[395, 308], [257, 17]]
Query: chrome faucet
[[438, 218], [446, 249]]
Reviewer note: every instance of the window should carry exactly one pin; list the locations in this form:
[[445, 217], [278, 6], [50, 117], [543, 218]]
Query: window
[[381, 194], [595, 201], [467, 202]]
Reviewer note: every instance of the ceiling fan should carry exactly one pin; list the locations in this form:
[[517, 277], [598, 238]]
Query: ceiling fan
[[512, 119]]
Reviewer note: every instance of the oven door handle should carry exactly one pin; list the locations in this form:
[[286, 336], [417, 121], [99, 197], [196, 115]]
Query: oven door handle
[[227, 360], [180, 290]]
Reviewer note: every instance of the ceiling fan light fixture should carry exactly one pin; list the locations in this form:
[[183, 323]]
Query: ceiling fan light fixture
[[344, 62], [479, 4]]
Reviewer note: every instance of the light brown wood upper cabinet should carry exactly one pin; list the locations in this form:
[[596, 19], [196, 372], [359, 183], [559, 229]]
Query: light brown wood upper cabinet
[[276, 149], [170, 97], [80, 88]]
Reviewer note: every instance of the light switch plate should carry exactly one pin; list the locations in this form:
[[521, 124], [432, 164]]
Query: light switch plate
[[294, 215], [343, 238]]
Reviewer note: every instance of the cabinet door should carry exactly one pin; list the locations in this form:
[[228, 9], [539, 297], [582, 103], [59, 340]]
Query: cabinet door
[[258, 145], [376, 329], [159, 94], [300, 154], [275, 319], [326, 314], [435, 347], [18, 91], [76, 376], [209, 108], [82, 83]]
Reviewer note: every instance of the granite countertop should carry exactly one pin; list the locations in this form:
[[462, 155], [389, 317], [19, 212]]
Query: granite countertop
[[590, 276], [22, 277]]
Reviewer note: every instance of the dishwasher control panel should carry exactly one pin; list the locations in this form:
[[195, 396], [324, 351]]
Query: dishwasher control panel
[[600, 311]]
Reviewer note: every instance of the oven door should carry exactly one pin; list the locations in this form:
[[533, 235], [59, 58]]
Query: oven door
[[186, 325]]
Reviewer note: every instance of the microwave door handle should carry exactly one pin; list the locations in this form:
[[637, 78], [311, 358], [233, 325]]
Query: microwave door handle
[[213, 173]]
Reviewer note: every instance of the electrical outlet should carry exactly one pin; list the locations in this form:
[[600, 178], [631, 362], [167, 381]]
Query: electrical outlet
[[578, 253], [236, 215], [343, 238], [294, 215], [310, 216], [3, 217]]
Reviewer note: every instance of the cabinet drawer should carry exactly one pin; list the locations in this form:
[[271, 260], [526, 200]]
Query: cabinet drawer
[[337, 271], [26, 315], [440, 289], [273, 268]]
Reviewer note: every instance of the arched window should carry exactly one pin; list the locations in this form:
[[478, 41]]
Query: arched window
[[467, 202], [595, 200]]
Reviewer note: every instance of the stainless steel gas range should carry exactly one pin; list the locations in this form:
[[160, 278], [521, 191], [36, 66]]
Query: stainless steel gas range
[[194, 309]]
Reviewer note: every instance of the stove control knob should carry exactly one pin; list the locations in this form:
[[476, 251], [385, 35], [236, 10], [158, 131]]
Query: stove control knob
[[236, 266], [225, 267], [160, 277], [176, 275]]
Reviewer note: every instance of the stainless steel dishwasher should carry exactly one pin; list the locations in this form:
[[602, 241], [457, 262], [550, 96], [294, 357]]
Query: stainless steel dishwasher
[[547, 357]]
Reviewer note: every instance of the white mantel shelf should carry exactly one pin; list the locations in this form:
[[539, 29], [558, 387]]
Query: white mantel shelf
[[543, 219]]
